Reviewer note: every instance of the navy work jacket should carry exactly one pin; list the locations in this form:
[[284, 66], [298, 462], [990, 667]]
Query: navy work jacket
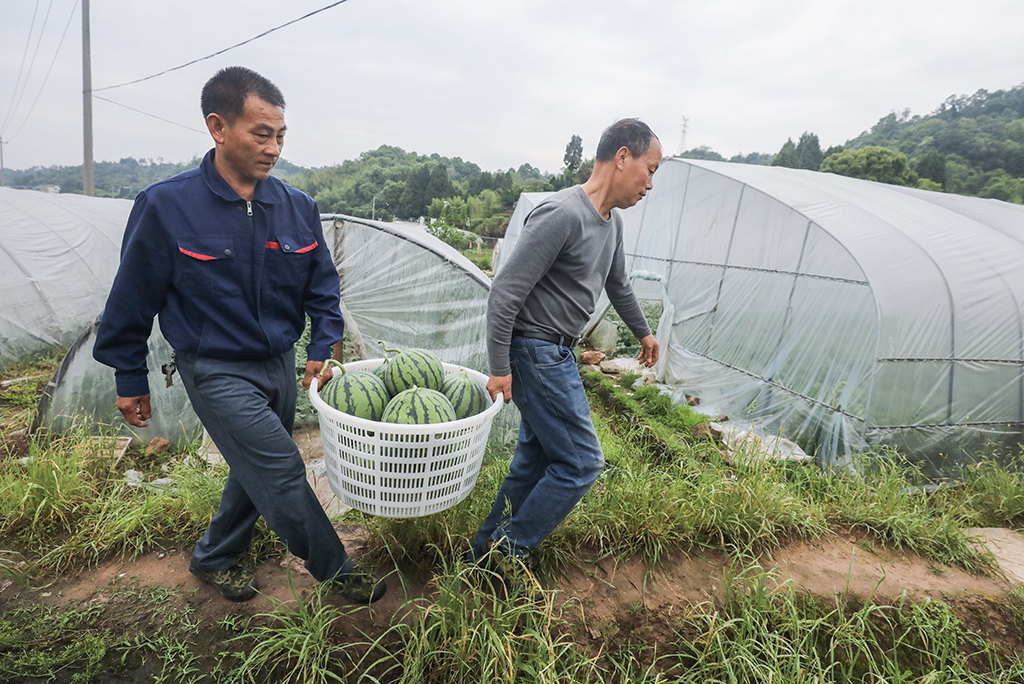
[[230, 279]]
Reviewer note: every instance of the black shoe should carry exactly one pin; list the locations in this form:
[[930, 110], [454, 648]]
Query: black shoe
[[359, 585], [234, 584]]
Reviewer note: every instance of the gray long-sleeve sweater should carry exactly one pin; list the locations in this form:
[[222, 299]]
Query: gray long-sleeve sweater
[[566, 254]]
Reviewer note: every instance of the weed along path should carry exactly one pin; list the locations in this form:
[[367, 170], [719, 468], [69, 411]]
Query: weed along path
[[685, 563]]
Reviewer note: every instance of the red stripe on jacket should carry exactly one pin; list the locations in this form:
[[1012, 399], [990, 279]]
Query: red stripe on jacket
[[201, 257], [277, 245]]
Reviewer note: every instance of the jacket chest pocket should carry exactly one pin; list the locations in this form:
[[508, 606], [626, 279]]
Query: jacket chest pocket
[[289, 259], [207, 267]]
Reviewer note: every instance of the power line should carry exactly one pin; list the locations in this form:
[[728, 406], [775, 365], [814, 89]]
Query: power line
[[221, 52], [35, 53], [46, 78], [24, 54], [175, 123]]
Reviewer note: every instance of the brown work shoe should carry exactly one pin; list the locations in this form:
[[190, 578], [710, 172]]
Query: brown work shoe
[[234, 584], [359, 585]]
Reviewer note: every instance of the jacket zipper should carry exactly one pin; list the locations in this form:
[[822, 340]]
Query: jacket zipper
[[248, 210]]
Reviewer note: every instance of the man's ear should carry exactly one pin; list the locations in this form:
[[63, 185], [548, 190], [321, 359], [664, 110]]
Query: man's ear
[[620, 157], [216, 125]]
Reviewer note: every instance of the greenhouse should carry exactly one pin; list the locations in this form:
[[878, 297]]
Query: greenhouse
[[844, 314], [58, 256], [403, 287], [382, 269], [524, 205]]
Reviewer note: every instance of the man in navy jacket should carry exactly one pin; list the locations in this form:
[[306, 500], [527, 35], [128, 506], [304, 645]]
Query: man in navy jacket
[[232, 260]]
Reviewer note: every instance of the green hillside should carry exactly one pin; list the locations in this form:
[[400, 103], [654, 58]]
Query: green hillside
[[970, 145], [124, 178], [387, 183]]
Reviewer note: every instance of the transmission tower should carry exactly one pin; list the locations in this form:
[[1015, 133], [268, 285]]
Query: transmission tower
[[682, 136]]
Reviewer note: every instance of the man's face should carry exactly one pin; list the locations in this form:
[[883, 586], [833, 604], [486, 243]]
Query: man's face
[[638, 174], [253, 142]]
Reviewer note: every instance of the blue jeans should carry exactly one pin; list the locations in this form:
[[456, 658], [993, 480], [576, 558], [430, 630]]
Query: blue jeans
[[558, 456], [248, 407]]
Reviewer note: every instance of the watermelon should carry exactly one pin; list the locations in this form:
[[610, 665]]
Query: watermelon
[[380, 370], [419, 406], [357, 393], [468, 397], [413, 368]]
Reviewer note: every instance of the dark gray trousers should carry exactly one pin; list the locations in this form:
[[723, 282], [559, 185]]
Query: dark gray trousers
[[248, 407]]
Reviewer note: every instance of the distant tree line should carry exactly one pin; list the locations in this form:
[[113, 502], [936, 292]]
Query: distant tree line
[[970, 145], [124, 178], [387, 183]]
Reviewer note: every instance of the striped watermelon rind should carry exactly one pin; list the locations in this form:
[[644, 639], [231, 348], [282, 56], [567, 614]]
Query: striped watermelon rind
[[419, 406], [413, 368], [357, 393], [467, 396], [380, 370]]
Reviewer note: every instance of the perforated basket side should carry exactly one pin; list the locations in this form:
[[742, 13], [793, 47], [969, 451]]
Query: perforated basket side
[[402, 471]]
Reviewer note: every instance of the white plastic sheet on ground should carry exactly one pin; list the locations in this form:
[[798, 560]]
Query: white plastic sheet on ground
[[840, 313], [58, 256]]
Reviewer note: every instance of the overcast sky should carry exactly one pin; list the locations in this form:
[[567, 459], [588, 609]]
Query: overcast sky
[[498, 83]]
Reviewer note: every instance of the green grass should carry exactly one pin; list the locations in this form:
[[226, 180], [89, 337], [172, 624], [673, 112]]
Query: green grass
[[470, 632], [68, 506], [760, 632], [28, 376], [481, 258], [296, 644]]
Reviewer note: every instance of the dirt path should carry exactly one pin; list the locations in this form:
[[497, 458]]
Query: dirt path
[[602, 597]]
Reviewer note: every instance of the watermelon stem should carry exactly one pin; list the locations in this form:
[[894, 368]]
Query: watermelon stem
[[335, 362], [388, 349]]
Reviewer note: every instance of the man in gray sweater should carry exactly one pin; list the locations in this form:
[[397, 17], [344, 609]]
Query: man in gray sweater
[[570, 249]]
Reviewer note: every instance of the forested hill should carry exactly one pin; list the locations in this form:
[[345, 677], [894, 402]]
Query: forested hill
[[970, 145], [980, 137], [390, 183], [385, 183], [124, 178]]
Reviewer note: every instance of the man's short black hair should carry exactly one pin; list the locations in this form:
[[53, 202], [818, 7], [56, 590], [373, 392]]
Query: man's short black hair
[[225, 93], [633, 134]]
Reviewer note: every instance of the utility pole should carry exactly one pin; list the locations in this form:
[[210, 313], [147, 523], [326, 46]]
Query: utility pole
[[1, 162], [87, 166]]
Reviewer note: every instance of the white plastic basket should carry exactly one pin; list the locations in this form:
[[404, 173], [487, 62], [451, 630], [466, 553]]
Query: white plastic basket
[[402, 471]]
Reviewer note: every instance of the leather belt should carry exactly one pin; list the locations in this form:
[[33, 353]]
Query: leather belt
[[561, 340]]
